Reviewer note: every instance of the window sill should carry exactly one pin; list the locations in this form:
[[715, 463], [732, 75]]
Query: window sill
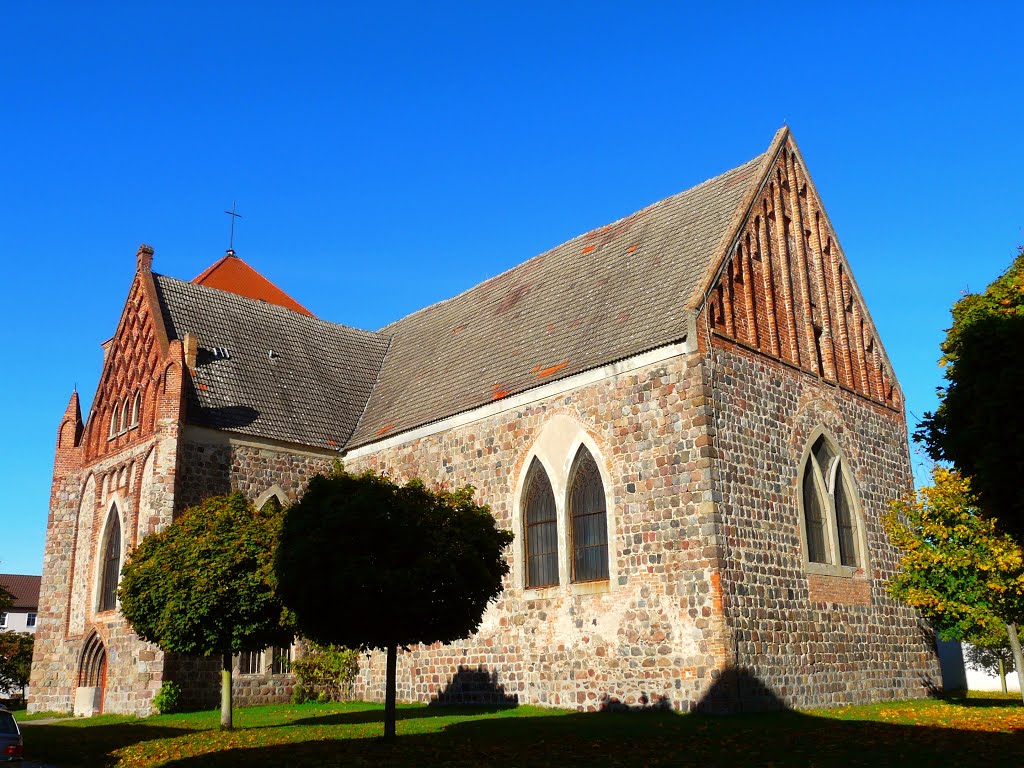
[[599, 587], [828, 569], [542, 593]]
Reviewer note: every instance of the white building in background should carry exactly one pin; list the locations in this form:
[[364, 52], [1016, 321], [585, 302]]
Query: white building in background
[[23, 614]]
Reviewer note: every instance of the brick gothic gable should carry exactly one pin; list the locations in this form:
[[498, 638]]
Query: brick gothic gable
[[793, 297], [132, 368]]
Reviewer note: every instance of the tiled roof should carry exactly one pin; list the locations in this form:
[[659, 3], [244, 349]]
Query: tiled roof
[[603, 296], [269, 371], [232, 274], [24, 589]]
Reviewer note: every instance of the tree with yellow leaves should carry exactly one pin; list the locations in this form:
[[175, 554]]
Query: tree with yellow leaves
[[958, 568]]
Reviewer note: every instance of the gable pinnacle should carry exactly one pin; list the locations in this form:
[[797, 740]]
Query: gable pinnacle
[[144, 258]]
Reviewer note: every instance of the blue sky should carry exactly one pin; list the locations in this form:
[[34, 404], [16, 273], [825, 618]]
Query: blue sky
[[386, 156]]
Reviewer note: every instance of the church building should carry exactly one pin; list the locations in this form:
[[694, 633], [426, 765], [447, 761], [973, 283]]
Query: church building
[[686, 417]]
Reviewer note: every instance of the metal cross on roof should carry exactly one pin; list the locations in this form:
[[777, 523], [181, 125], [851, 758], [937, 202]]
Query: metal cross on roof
[[233, 215]]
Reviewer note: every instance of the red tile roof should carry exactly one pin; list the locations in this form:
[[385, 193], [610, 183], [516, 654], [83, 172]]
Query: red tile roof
[[24, 589], [233, 275]]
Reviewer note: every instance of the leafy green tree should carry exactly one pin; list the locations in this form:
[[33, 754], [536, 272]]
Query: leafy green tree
[[366, 563], [957, 568], [15, 660], [979, 424], [205, 584]]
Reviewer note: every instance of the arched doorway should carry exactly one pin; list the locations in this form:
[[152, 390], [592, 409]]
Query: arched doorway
[[92, 677]]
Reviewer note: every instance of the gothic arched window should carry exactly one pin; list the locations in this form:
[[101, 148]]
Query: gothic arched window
[[124, 416], [136, 409], [830, 518], [541, 529], [113, 421], [111, 568], [589, 519]]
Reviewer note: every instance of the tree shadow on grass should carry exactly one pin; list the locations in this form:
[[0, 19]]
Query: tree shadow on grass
[[89, 746], [376, 715], [780, 739], [471, 691], [963, 701]]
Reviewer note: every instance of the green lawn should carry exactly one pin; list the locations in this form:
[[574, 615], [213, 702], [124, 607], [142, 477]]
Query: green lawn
[[978, 731]]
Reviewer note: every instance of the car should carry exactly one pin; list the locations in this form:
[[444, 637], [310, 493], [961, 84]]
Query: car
[[11, 745]]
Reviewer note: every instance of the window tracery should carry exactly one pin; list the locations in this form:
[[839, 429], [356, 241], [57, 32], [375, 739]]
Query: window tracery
[[830, 519]]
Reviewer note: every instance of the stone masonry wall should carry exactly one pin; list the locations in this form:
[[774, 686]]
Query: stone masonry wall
[[656, 628], [214, 463], [809, 639], [139, 479]]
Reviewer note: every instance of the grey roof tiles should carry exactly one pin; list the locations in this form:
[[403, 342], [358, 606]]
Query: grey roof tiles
[[606, 295], [269, 371]]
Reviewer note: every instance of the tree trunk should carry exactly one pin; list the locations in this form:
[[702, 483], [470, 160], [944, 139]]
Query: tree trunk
[[225, 693], [1002, 674], [389, 694], [1018, 657]]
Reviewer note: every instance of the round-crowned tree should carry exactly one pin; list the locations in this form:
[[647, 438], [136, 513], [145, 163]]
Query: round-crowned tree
[[205, 584], [367, 563]]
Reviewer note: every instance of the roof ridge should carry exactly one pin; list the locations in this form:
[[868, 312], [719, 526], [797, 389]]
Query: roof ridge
[[269, 305], [649, 206]]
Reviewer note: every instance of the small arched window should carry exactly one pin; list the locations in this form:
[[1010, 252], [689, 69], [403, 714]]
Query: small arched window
[[136, 409], [830, 519], [111, 569], [124, 415], [113, 422], [589, 518], [541, 529]]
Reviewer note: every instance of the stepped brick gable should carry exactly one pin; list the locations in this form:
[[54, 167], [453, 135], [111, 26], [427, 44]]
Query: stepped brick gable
[[686, 417]]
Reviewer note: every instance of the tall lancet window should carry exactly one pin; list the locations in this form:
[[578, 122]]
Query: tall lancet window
[[111, 562], [541, 527], [830, 519], [589, 516]]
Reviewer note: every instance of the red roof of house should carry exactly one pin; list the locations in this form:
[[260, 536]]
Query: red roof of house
[[233, 275], [24, 589]]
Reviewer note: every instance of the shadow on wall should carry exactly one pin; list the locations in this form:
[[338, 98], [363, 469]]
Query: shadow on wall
[[476, 685], [737, 689], [644, 704]]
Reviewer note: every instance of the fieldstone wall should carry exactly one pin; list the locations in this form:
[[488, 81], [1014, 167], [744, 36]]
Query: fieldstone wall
[[656, 628], [139, 479], [803, 639], [215, 463]]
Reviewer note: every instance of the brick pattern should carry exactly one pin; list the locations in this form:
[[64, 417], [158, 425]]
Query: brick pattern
[[137, 468], [785, 289], [813, 640]]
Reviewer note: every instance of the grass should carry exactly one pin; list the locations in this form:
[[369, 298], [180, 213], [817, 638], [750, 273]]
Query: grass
[[23, 716], [981, 730]]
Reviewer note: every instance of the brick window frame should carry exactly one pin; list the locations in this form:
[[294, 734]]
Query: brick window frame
[[824, 473], [110, 559]]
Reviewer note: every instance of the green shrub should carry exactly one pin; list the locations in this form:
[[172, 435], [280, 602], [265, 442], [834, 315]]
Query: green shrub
[[168, 698], [325, 673]]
